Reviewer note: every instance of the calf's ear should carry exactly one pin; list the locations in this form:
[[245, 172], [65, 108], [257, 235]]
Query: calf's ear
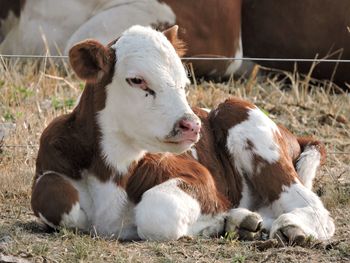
[[172, 35], [90, 60]]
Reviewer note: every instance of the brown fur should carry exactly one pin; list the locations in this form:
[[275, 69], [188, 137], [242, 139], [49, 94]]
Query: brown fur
[[309, 141], [267, 185], [90, 60], [214, 157], [194, 178], [69, 144], [8, 6], [47, 197], [298, 29], [292, 143], [211, 28], [178, 44]]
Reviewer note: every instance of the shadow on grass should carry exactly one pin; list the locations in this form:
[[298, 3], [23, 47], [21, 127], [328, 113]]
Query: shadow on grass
[[34, 227]]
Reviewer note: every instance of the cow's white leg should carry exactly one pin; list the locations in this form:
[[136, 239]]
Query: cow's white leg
[[167, 213], [301, 214], [307, 165]]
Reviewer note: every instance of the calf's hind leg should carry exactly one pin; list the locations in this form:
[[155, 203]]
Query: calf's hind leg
[[56, 202], [260, 155]]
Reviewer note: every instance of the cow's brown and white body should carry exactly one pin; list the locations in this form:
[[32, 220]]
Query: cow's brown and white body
[[113, 166]]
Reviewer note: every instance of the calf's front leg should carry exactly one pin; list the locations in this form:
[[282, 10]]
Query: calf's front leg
[[56, 202]]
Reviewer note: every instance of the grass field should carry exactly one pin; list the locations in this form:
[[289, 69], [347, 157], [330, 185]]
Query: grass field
[[31, 95]]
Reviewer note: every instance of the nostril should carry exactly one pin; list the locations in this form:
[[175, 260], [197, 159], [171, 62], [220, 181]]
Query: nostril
[[185, 125]]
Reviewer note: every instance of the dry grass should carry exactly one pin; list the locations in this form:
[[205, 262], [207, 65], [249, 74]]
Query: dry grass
[[31, 95]]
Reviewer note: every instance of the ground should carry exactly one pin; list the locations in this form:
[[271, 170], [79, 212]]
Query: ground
[[32, 94]]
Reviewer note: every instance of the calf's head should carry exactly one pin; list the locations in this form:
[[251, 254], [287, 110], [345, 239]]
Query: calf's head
[[145, 102]]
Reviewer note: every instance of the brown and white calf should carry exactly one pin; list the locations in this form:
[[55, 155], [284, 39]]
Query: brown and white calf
[[133, 160]]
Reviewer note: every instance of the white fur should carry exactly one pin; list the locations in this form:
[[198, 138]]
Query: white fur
[[113, 18], [299, 206], [206, 109], [106, 206], [236, 216], [76, 218], [268, 217], [236, 64], [65, 22], [26, 37], [245, 201], [307, 165], [132, 123], [194, 152], [168, 213], [208, 225], [260, 130]]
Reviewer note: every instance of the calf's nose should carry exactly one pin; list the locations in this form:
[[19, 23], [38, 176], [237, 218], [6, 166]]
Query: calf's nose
[[189, 126]]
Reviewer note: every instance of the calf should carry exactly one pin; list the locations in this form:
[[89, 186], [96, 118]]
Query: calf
[[133, 160]]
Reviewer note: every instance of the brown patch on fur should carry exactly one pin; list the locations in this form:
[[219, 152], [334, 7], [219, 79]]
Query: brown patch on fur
[[309, 141], [47, 197], [267, 181], [215, 159], [194, 178], [70, 143], [172, 35], [291, 141], [228, 114], [268, 184]]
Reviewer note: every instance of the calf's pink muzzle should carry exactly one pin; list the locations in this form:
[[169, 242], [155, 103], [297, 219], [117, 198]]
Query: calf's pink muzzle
[[188, 129]]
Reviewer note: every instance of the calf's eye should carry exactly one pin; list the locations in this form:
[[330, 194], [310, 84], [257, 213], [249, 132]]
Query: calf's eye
[[134, 81]]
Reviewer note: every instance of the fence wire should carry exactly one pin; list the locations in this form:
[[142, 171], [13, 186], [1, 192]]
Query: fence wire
[[202, 58], [22, 146], [313, 60]]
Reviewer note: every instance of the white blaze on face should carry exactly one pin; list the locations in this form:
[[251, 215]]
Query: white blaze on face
[[142, 118]]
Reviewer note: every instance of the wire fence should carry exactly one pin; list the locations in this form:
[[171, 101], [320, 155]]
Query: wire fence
[[214, 58], [199, 58]]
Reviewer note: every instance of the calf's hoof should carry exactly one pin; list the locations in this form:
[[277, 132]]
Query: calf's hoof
[[248, 228], [290, 235]]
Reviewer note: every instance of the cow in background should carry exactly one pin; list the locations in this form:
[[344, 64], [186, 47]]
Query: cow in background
[[270, 28], [210, 27], [299, 29]]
